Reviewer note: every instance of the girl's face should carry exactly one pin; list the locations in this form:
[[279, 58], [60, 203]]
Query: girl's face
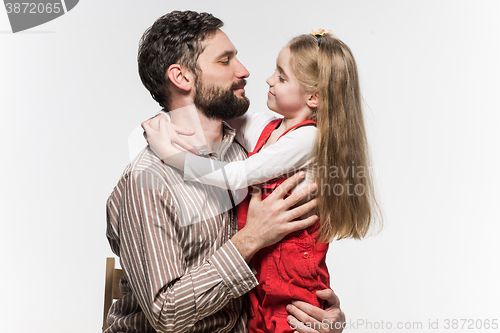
[[286, 95]]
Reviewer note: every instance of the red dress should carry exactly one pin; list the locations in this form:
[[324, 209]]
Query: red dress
[[292, 269]]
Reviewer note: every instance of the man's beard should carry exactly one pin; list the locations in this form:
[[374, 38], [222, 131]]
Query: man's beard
[[217, 103]]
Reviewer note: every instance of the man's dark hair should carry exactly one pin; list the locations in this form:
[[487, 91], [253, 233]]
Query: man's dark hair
[[175, 38]]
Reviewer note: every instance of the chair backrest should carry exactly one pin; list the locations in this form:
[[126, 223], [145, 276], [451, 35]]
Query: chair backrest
[[112, 287]]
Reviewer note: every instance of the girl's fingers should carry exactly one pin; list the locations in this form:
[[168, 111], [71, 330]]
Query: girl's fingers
[[155, 122], [181, 130], [183, 144], [147, 122], [174, 131]]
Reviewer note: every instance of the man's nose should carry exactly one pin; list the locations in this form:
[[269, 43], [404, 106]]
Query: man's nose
[[241, 71]]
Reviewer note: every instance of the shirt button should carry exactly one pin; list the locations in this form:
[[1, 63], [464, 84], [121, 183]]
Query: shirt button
[[305, 255]]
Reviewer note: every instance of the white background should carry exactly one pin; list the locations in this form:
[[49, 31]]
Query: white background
[[70, 96]]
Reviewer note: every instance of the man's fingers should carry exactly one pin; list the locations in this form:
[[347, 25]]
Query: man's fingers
[[302, 209], [306, 312], [300, 320], [256, 193], [287, 185], [332, 318], [329, 296], [301, 194], [301, 224], [298, 326]]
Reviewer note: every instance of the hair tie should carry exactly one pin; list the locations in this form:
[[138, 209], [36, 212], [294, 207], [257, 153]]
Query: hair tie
[[321, 32]]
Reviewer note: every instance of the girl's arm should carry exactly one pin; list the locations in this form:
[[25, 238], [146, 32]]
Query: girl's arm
[[161, 136], [164, 140], [290, 153]]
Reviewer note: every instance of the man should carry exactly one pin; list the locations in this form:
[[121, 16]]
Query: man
[[186, 268]]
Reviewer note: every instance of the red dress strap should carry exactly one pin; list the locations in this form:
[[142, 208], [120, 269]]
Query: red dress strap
[[266, 133], [269, 186], [304, 123], [270, 127]]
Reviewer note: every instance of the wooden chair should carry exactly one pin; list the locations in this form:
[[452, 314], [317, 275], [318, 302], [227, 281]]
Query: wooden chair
[[112, 287]]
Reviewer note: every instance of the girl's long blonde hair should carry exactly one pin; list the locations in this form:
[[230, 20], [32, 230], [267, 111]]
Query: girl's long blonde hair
[[346, 198]]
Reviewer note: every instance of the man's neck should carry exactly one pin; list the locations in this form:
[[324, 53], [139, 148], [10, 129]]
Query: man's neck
[[206, 130]]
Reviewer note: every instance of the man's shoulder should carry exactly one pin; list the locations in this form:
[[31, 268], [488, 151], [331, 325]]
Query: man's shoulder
[[145, 171], [142, 161], [146, 168]]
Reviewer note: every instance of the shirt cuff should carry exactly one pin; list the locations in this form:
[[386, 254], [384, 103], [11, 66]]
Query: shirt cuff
[[234, 270]]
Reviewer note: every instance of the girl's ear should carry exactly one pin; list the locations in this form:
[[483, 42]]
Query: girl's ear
[[180, 77], [312, 101]]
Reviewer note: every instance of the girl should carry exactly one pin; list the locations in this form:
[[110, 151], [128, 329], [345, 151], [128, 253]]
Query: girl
[[315, 88]]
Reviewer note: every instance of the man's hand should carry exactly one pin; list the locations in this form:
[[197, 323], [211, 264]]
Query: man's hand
[[271, 219], [306, 318]]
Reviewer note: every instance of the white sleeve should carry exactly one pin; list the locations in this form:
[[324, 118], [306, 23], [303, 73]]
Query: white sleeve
[[249, 127], [290, 153]]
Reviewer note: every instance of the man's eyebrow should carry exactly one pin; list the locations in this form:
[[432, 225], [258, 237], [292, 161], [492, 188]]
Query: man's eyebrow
[[227, 53]]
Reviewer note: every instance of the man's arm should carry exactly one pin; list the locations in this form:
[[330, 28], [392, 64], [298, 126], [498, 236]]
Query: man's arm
[[269, 220], [172, 297]]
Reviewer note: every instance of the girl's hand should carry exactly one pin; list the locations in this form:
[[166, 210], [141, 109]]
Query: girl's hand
[[163, 137]]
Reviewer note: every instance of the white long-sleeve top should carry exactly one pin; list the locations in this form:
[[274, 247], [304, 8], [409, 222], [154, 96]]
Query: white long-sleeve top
[[290, 153]]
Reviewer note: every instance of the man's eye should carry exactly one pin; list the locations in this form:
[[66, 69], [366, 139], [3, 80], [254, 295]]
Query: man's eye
[[225, 62]]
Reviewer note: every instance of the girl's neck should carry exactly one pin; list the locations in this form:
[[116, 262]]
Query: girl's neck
[[288, 123], [284, 126]]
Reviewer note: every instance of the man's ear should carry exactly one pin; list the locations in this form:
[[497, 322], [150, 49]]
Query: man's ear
[[180, 77], [312, 101]]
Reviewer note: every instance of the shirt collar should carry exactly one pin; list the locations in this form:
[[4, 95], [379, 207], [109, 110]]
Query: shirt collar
[[218, 150]]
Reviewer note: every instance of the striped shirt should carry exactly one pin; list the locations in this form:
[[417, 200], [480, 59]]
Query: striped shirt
[[181, 272]]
